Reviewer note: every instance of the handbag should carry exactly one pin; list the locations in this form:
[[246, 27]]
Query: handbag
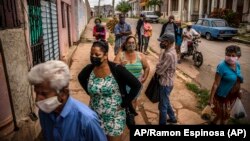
[[153, 90]]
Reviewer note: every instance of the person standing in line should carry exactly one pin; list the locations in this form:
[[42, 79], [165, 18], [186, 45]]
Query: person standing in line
[[62, 118], [122, 31], [99, 31], [165, 70], [147, 34], [140, 32], [105, 82], [134, 61], [169, 27], [178, 40], [226, 86]]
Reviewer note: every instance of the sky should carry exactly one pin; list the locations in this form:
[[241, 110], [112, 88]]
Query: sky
[[95, 2]]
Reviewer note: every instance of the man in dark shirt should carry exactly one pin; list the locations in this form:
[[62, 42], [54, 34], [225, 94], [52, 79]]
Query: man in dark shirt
[[169, 27], [140, 32]]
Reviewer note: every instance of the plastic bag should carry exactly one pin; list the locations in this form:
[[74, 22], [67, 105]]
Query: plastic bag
[[184, 48], [238, 110]]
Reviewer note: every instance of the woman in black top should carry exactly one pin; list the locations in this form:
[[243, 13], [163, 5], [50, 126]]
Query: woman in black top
[[106, 83]]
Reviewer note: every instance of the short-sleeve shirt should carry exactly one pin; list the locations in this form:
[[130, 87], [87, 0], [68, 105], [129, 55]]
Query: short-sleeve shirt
[[169, 28], [118, 29], [228, 78], [191, 32], [76, 122]]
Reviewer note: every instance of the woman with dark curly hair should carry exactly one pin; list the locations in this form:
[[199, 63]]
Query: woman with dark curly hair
[[226, 87], [105, 82], [99, 31]]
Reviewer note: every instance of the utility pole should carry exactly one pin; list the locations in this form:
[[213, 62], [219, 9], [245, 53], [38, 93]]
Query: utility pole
[[99, 2], [113, 4]]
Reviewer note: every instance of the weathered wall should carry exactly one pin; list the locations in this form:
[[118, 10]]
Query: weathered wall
[[15, 51], [65, 33]]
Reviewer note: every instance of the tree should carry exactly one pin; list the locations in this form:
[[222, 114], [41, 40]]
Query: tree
[[123, 7], [154, 3]]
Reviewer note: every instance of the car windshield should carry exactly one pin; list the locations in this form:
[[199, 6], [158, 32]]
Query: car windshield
[[219, 23], [150, 13]]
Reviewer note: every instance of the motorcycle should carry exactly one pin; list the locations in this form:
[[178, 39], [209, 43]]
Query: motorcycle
[[193, 51]]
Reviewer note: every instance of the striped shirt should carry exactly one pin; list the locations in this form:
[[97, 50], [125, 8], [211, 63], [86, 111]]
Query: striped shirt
[[135, 68], [167, 66]]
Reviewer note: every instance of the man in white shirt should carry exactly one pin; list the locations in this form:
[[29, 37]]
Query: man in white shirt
[[187, 35]]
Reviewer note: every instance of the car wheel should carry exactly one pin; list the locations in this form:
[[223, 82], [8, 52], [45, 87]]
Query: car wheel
[[208, 36]]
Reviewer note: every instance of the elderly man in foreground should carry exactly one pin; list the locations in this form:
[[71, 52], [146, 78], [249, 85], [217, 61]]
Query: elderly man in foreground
[[61, 116]]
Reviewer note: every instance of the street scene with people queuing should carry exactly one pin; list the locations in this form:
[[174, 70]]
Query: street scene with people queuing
[[92, 69]]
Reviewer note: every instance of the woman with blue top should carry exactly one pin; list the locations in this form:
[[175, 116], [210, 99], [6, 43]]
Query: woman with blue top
[[134, 61], [226, 87], [178, 40]]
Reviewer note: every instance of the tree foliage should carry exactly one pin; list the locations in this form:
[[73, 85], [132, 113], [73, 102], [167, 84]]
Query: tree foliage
[[231, 17], [154, 3], [123, 7]]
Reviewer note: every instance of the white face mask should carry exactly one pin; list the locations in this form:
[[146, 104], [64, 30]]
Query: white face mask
[[48, 105], [231, 60]]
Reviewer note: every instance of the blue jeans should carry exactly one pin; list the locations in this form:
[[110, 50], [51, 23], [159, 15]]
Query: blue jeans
[[164, 106]]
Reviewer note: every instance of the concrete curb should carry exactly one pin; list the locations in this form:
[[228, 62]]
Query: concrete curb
[[241, 41]]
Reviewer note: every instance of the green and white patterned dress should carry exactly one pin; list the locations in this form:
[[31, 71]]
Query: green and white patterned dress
[[105, 98]]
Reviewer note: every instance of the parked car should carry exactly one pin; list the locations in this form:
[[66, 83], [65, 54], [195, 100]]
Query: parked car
[[214, 28], [151, 16]]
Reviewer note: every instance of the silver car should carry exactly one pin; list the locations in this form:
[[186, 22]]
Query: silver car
[[151, 16]]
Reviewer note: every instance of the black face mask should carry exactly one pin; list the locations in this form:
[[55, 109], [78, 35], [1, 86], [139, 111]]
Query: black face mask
[[96, 61], [163, 46]]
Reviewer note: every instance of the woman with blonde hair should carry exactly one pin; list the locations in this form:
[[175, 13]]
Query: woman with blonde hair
[[134, 61]]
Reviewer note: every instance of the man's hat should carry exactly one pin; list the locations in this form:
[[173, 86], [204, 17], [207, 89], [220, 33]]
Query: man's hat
[[167, 37], [189, 24]]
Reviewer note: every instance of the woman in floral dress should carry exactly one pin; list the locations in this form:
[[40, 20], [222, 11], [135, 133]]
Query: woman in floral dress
[[106, 82]]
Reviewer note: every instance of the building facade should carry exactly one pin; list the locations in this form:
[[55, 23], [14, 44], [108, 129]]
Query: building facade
[[104, 10], [134, 12], [191, 10], [32, 32]]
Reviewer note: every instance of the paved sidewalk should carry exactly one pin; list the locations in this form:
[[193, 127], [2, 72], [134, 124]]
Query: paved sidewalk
[[183, 101]]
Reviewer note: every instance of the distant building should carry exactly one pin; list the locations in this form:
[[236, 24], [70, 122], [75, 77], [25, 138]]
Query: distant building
[[104, 10], [191, 10], [134, 12]]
